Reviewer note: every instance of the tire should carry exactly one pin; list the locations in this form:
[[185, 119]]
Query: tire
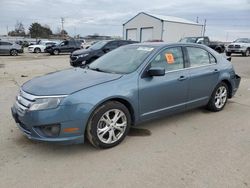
[[13, 52], [104, 130], [219, 50], [218, 98], [56, 52], [228, 53], [37, 50], [246, 53]]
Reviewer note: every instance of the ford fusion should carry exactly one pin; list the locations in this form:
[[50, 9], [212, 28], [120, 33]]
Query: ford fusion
[[123, 88]]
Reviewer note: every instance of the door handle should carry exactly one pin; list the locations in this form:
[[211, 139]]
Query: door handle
[[181, 78]]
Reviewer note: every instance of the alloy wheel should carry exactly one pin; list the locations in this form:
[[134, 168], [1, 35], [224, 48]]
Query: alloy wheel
[[220, 97], [111, 126]]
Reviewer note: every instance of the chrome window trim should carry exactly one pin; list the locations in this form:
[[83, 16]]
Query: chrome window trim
[[190, 68]]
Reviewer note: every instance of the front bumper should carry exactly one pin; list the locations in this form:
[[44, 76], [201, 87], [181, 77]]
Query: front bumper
[[236, 50], [77, 61], [30, 122]]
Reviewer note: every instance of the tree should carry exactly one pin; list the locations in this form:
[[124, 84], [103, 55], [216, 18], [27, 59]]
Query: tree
[[19, 30], [37, 30]]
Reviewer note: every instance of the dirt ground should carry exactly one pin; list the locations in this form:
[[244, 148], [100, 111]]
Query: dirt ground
[[192, 149]]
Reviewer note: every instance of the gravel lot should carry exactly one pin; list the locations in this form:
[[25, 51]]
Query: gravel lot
[[193, 149]]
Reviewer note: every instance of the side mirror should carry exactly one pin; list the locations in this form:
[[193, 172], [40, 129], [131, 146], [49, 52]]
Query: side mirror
[[156, 71]]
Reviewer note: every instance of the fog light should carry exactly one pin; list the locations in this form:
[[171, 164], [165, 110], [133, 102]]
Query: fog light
[[51, 130]]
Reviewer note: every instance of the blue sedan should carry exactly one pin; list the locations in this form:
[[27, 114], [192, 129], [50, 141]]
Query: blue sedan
[[127, 86]]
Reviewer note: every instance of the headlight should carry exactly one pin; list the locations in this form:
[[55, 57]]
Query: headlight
[[83, 55], [45, 103]]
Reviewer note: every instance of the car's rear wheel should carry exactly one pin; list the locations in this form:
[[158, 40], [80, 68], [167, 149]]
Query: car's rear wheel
[[13, 52], [37, 50], [108, 125], [219, 98], [56, 52]]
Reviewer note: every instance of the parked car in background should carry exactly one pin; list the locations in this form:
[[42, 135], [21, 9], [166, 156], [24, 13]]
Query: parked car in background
[[67, 46], [219, 47], [240, 46], [88, 44], [10, 48], [123, 88], [86, 56], [40, 47]]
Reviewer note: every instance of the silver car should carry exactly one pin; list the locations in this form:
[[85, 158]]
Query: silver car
[[10, 48]]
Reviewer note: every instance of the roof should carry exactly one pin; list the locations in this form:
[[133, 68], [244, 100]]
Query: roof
[[166, 18]]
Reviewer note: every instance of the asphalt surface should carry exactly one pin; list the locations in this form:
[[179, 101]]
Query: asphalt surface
[[192, 149]]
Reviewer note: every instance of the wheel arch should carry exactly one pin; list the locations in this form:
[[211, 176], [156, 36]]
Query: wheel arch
[[230, 88], [123, 101]]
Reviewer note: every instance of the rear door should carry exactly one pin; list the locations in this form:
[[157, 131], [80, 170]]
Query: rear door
[[203, 76]]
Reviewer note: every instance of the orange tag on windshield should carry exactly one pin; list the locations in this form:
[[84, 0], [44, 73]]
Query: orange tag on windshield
[[169, 58]]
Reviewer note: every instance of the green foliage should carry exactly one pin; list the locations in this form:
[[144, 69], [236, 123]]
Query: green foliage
[[37, 30]]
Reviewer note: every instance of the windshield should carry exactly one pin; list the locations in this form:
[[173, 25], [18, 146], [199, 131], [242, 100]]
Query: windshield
[[98, 45], [189, 39], [243, 40], [122, 60]]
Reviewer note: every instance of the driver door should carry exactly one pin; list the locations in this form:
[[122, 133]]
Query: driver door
[[161, 95]]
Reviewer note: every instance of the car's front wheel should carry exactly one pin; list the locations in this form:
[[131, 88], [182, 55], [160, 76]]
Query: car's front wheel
[[37, 50], [13, 52], [219, 98], [56, 52], [108, 125]]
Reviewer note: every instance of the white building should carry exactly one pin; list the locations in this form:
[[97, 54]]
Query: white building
[[145, 27]]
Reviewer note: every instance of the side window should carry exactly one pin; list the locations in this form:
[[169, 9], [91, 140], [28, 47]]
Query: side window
[[6, 43], [169, 59], [198, 57], [112, 45], [65, 43], [212, 58]]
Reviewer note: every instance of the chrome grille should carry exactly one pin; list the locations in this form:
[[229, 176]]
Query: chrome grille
[[237, 46], [230, 46], [24, 101]]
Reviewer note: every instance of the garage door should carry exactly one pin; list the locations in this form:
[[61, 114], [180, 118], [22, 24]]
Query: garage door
[[146, 34], [131, 34]]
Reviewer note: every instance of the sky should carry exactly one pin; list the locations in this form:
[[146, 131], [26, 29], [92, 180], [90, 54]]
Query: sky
[[226, 19]]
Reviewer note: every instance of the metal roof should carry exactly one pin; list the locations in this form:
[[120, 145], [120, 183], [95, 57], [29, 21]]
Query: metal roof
[[166, 18]]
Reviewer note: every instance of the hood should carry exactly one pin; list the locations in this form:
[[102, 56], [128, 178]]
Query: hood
[[67, 81], [81, 51]]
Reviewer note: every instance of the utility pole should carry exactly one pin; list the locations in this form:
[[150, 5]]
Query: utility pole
[[62, 21], [7, 27], [204, 28], [197, 19]]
